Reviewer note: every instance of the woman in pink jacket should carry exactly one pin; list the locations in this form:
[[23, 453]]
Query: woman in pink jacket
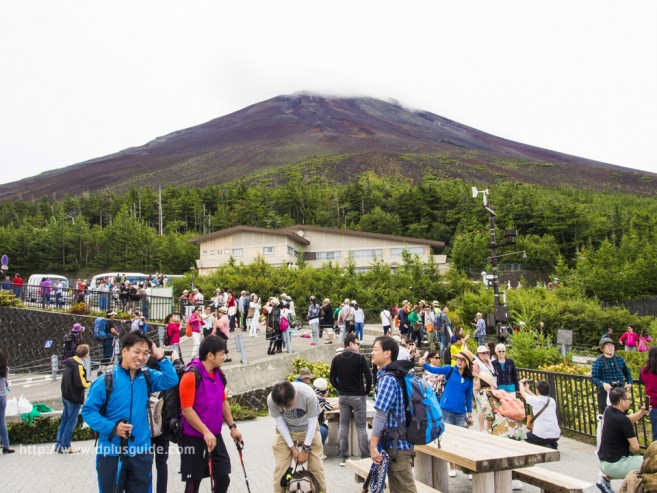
[[630, 339]]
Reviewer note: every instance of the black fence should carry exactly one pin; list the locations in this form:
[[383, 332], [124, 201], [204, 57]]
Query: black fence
[[54, 298], [576, 397]]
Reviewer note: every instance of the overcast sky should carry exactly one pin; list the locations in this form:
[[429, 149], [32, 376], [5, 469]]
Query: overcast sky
[[82, 79]]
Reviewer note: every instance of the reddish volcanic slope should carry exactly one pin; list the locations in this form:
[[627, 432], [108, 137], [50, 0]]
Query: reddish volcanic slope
[[363, 132]]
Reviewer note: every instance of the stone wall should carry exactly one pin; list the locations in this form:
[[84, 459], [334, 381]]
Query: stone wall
[[24, 333]]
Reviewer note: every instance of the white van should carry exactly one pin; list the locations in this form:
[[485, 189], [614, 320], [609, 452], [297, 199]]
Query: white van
[[31, 291], [133, 277]]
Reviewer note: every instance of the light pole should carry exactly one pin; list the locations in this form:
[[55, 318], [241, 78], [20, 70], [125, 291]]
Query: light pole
[[501, 313], [192, 269]]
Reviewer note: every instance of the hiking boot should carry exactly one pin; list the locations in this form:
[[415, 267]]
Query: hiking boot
[[604, 485], [7, 450]]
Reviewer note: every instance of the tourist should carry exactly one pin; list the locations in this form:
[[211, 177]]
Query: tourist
[[74, 383], [326, 321], [295, 408], [390, 401], [4, 387], [313, 320], [618, 440], [480, 331], [255, 305], [648, 377], [359, 320], [123, 427], [274, 334], [201, 420], [630, 339], [483, 365], [351, 376], [196, 321], [386, 321], [609, 371], [320, 386], [545, 424], [505, 369]]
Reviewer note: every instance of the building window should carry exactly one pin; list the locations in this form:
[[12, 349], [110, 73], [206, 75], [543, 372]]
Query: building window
[[373, 253], [212, 252], [328, 255], [397, 252], [362, 270], [268, 250], [238, 252], [292, 252]]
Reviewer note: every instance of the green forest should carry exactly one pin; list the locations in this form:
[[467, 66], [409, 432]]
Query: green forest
[[602, 244]]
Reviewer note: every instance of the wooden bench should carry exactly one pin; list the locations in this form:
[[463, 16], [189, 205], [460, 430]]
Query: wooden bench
[[361, 468], [551, 481]]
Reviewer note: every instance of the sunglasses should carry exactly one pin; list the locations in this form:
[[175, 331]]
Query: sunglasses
[[500, 351]]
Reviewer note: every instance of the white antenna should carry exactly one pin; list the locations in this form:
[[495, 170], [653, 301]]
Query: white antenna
[[484, 193]]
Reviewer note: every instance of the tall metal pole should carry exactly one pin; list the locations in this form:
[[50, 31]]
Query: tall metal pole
[[493, 251]]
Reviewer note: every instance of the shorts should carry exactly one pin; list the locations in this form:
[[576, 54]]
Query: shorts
[[194, 458]]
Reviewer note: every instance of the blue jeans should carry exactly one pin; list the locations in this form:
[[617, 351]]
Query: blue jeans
[[323, 430], [481, 340], [67, 425], [457, 419], [4, 434], [359, 330]]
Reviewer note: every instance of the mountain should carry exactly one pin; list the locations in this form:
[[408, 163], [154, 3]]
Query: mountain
[[337, 137]]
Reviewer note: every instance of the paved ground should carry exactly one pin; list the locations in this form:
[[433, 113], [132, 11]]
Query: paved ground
[[36, 468]]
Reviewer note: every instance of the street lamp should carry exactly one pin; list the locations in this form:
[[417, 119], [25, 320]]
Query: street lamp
[[501, 313]]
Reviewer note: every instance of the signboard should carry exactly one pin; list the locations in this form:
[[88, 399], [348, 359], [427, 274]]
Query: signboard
[[47, 345], [565, 336], [4, 260]]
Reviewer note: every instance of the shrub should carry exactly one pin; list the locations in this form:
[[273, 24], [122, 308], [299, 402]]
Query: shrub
[[635, 360], [8, 298], [242, 413], [319, 369], [566, 368], [79, 309], [44, 430], [530, 349]]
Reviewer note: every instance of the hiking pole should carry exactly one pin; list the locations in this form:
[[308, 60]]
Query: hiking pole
[[210, 468], [240, 447]]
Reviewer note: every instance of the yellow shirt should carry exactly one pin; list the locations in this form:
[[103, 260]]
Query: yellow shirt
[[453, 351]]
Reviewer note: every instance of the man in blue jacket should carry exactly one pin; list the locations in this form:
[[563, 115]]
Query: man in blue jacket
[[124, 442]]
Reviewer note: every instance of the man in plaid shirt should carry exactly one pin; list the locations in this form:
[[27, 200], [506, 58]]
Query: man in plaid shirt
[[389, 400], [609, 369]]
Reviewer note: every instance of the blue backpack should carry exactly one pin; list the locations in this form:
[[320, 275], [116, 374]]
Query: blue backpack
[[100, 329], [424, 418]]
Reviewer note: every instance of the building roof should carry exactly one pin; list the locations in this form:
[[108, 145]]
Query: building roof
[[250, 229], [365, 234], [291, 232]]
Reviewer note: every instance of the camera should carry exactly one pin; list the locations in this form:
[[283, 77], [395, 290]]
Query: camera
[[616, 384], [168, 352]]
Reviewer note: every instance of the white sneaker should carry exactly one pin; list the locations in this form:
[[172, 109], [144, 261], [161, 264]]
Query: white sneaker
[[516, 485], [452, 473], [470, 477], [343, 461]]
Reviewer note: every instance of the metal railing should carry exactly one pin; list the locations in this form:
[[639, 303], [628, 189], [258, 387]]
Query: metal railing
[[52, 298], [577, 401]]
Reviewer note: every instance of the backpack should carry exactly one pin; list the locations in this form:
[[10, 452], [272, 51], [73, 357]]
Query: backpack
[[417, 326], [70, 345], [100, 329], [424, 418], [284, 324], [301, 481], [166, 340]]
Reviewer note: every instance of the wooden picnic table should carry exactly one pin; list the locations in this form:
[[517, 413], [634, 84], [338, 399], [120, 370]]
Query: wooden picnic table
[[488, 458], [333, 421]]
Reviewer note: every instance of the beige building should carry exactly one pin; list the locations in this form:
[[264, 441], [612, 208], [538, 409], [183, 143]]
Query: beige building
[[317, 245]]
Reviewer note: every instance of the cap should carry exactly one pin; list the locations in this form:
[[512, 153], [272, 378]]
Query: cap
[[305, 373], [109, 314], [483, 349], [77, 328], [320, 384], [397, 338]]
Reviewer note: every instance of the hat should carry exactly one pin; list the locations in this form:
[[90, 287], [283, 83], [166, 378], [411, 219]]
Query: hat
[[478, 314], [483, 349], [354, 302], [223, 309], [77, 328], [486, 377], [305, 373], [274, 301], [465, 355], [606, 340], [405, 302], [422, 302], [326, 300], [435, 303], [109, 314], [320, 384], [397, 338], [346, 300]]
